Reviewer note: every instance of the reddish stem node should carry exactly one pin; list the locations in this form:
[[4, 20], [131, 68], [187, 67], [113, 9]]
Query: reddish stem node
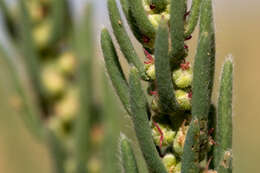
[[154, 93], [186, 14], [190, 94], [146, 39], [152, 7], [185, 66], [149, 57], [188, 38]]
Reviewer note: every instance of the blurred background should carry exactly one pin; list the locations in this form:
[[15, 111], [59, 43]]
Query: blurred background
[[237, 33]]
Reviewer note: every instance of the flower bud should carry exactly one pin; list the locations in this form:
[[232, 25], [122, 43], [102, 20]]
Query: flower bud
[[184, 100], [94, 165], [35, 10], [150, 71], [155, 105], [57, 126], [41, 34], [182, 78], [169, 161], [67, 107], [163, 135], [178, 168], [52, 80], [155, 19], [179, 140], [67, 63]]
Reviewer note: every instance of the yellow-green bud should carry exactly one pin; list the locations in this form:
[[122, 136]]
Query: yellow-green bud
[[155, 105], [56, 125], [68, 106], [52, 80], [178, 168], [184, 100], [155, 19], [36, 11], [169, 161], [41, 34], [94, 165], [167, 132], [150, 71], [67, 63], [182, 78], [179, 140]]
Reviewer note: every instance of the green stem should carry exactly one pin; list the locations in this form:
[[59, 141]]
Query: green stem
[[122, 37], [193, 17], [223, 150], [127, 156], [163, 71], [141, 124], [84, 48], [201, 87], [111, 125], [57, 152], [177, 29], [114, 69], [142, 21], [30, 113]]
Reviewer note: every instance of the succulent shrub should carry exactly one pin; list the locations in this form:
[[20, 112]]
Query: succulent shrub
[[57, 54], [179, 130]]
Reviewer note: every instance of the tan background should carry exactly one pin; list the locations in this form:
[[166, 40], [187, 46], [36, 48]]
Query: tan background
[[237, 32]]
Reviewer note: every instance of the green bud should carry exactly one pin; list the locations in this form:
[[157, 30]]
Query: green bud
[[155, 19], [94, 165], [169, 161], [53, 81], [35, 10], [183, 99], [56, 124], [155, 105], [178, 168], [67, 107], [168, 135], [41, 34], [150, 71], [166, 15], [179, 140], [67, 63], [182, 78]]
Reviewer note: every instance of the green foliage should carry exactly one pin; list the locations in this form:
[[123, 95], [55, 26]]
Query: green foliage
[[223, 151], [163, 73], [127, 156], [181, 117], [141, 123], [60, 111], [114, 69]]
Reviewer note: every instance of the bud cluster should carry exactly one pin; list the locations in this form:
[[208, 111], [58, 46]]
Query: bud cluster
[[58, 76], [168, 138], [154, 14]]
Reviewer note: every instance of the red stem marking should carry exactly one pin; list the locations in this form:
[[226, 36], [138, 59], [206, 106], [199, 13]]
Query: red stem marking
[[160, 131], [149, 57], [153, 92], [185, 65]]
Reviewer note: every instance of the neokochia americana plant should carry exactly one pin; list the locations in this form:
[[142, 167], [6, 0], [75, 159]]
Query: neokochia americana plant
[[179, 130], [57, 54]]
